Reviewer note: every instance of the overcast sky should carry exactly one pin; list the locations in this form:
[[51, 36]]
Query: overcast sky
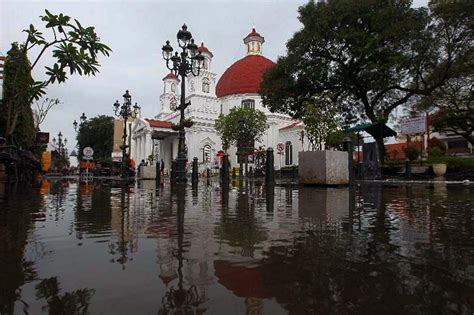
[[136, 31]]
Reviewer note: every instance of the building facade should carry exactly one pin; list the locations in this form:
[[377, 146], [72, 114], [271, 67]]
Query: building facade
[[154, 139]]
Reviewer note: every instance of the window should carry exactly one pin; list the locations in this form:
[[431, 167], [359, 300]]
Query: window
[[248, 104], [288, 153], [205, 64], [173, 87], [206, 153], [205, 85]]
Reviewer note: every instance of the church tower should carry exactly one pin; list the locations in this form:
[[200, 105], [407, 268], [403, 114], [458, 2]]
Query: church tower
[[254, 42], [204, 83], [169, 99]]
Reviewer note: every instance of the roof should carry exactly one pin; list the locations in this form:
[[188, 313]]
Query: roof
[[158, 123], [292, 125], [244, 76], [170, 75], [253, 33], [373, 129], [204, 49]]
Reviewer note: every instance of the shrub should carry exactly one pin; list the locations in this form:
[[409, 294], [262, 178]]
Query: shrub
[[412, 153], [436, 152], [436, 143]]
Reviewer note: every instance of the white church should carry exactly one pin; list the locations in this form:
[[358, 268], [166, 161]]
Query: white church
[[238, 86]]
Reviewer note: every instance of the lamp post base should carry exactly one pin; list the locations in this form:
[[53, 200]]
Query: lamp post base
[[181, 169]]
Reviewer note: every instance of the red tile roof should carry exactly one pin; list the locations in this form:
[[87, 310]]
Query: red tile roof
[[158, 123], [253, 33], [170, 75], [204, 49], [292, 125], [244, 76]]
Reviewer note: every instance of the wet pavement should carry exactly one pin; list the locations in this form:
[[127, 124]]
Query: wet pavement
[[108, 248]]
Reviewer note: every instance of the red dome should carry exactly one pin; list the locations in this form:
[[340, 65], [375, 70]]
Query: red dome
[[244, 76]]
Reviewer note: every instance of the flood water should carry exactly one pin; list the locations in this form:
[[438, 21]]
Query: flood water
[[107, 248]]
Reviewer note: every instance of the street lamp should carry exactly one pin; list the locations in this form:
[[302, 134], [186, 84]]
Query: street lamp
[[126, 110], [77, 126], [182, 64], [60, 146]]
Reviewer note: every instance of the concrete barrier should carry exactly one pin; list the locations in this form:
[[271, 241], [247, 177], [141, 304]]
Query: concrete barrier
[[323, 168]]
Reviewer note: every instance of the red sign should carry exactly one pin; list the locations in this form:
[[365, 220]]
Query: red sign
[[42, 137], [220, 153], [280, 147], [87, 165]]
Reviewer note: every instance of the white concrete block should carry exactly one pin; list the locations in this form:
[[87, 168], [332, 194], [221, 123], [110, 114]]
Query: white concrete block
[[323, 168]]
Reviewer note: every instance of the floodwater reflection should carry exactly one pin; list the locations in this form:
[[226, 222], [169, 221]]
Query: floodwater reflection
[[246, 247]]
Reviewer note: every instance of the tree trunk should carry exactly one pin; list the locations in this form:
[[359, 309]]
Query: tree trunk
[[381, 148]]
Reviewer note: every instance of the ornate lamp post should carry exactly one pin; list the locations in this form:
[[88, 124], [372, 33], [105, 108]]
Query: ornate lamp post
[[182, 64], [60, 147], [77, 126], [126, 110]]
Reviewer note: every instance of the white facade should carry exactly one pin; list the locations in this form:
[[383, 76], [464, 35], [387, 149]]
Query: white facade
[[202, 139]]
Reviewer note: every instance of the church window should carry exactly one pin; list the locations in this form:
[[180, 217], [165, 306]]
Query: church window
[[173, 87], [205, 85], [205, 64], [206, 153], [288, 153], [248, 104]]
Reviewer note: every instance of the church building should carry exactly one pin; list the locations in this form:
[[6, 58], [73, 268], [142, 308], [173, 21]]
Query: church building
[[154, 139]]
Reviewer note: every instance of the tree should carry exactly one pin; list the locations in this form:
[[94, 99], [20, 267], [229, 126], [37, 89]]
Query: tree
[[97, 133], [75, 50], [320, 121], [43, 109], [241, 124], [369, 56]]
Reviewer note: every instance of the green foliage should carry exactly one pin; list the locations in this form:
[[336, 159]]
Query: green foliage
[[15, 109], [320, 122], [244, 124], [437, 147], [97, 133], [436, 152], [412, 153], [74, 49], [367, 56]]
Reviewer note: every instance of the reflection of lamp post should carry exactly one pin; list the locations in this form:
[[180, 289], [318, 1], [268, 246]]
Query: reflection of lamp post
[[189, 61], [126, 110], [82, 121], [180, 300]]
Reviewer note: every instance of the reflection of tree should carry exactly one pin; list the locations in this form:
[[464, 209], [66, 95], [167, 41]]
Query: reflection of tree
[[17, 210], [181, 300], [94, 210], [242, 229], [75, 302]]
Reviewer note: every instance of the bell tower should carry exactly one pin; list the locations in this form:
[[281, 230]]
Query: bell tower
[[254, 42], [169, 98]]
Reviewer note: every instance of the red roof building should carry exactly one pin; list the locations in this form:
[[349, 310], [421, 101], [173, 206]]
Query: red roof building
[[159, 123]]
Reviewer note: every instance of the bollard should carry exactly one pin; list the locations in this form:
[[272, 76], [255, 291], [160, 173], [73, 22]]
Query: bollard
[[347, 146], [208, 172], [194, 174], [251, 171], [233, 173], [269, 167], [158, 172], [173, 170], [407, 168], [225, 168]]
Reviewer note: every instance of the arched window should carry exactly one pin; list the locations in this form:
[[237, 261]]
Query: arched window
[[206, 153], [248, 104], [173, 87], [288, 153], [205, 64], [205, 85]]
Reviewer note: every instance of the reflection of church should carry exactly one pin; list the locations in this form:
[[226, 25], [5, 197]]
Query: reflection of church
[[238, 86]]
